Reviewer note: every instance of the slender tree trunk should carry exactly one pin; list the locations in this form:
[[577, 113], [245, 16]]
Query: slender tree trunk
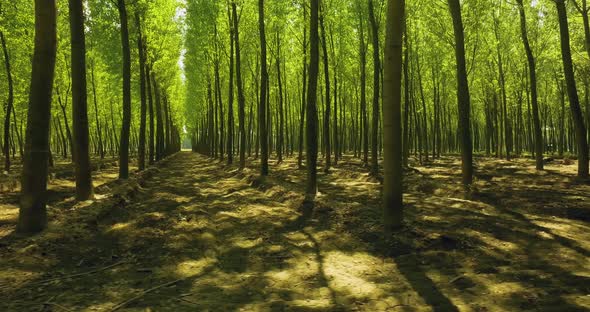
[[392, 117], [230, 111], [96, 114], [9, 104], [304, 78], [327, 111], [80, 102], [463, 98], [33, 214], [142, 93], [280, 141], [126, 127], [568, 69], [241, 99], [263, 90], [376, 92], [152, 134], [363, 119], [312, 124]]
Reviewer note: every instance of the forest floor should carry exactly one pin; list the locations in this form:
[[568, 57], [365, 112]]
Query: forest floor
[[192, 234]]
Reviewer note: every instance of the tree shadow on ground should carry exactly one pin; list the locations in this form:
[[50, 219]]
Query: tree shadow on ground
[[198, 235]]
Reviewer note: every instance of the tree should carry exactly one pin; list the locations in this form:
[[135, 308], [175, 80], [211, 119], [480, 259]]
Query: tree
[[326, 137], [392, 117], [463, 98], [9, 103], [126, 128], [241, 99], [311, 131], [376, 83], [142, 93], [32, 214], [80, 101], [262, 122], [568, 69], [538, 136]]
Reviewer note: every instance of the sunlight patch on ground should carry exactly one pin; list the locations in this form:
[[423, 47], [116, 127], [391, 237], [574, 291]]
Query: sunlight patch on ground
[[193, 267], [120, 226], [347, 273]]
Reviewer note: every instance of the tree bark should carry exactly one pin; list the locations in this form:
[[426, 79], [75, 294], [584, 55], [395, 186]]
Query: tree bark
[[538, 136], [262, 122], [9, 104], [241, 99], [142, 93], [392, 117], [33, 214], [376, 94], [463, 99], [327, 143], [126, 127], [572, 91], [80, 102], [312, 124]]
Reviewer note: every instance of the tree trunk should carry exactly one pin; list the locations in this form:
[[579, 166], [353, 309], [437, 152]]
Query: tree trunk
[[33, 214], [230, 111], [126, 127], [304, 91], [462, 94], [241, 99], [142, 93], [364, 124], [376, 94], [151, 146], [327, 145], [312, 124], [392, 117], [9, 104], [572, 91], [80, 102], [262, 122], [281, 108]]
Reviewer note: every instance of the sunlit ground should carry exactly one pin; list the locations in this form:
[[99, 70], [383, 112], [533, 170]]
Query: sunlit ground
[[196, 235]]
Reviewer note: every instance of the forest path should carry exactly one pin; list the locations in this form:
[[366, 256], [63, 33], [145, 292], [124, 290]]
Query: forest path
[[218, 244], [198, 235]]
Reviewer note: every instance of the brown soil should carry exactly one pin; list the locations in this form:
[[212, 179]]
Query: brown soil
[[192, 234]]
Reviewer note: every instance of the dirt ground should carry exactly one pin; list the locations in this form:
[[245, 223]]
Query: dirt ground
[[193, 234]]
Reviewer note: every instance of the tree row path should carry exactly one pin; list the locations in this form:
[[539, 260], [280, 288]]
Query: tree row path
[[197, 235]]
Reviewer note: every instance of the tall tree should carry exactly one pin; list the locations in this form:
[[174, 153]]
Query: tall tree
[[80, 101], [312, 116], [142, 93], [568, 69], [33, 214], [392, 117], [126, 127], [376, 84], [326, 137], [241, 99], [463, 98], [538, 136], [230, 110], [9, 103], [262, 122]]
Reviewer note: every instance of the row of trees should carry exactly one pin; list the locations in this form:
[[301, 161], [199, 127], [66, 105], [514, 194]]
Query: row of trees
[[285, 65], [512, 82], [158, 134]]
